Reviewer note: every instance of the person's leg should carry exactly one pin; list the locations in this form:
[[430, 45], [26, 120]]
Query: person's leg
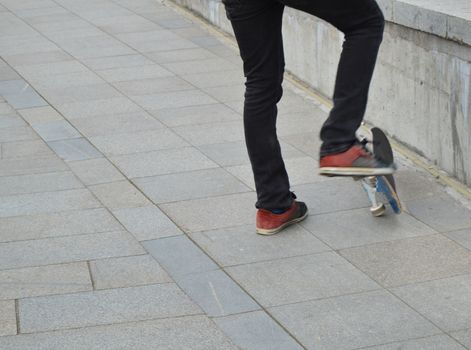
[[362, 22], [257, 27]]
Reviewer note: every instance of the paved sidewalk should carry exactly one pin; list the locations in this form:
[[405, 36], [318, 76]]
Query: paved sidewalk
[[126, 204]]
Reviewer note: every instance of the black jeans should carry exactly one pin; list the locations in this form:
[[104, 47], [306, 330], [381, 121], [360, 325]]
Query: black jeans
[[257, 27]]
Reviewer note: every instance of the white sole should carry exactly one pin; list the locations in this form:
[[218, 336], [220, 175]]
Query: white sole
[[337, 171], [264, 232]]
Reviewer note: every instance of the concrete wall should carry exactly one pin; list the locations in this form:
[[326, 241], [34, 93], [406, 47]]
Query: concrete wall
[[421, 89]]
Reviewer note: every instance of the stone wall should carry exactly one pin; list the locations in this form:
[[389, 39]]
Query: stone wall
[[421, 89]]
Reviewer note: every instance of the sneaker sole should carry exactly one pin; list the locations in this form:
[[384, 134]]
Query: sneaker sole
[[265, 232], [337, 171]]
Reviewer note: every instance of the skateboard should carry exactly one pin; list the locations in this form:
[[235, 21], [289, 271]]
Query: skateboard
[[381, 190]]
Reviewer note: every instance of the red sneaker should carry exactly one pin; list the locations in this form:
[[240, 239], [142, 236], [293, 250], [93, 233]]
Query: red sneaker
[[269, 223], [356, 161]]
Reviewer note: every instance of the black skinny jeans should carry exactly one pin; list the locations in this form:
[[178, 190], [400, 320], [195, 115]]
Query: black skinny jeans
[[257, 27]]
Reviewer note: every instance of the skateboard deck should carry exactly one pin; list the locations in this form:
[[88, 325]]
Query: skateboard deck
[[381, 190]]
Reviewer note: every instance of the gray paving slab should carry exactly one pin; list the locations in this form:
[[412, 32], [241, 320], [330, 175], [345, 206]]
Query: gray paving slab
[[37, 57], [181, 55], [256, 331], [24, 184], [7, 73], [19, 133], [79, 93], [304, 278], [131, 23], [200, 334], [162, 45], [43, 70], [147, 223], [309, 143], [13, 87], [40, 115], [102, 125], [59, 81], [411, 260], [442, 213], [68, 223], [11, 121], [140, 141], [60, 250], [75, 149], [464, 337], [462, 237], [169, 252], [26, 149], [213, 213], [173, 99], [44, 280], [95, 171], [104, 307], [445, 302], [152, 86], [120, 194], [84, 109], [117, 61], [205, 134], [11, 167], [26, 99], [205, 41], [128, 271], [147, 36], [227, 93], [162, 162], [190, 185], [240, 245], [134, 73], [353, 321], [7, 318], [56, 130], [199, 66], [211, 113], [46, 202], [217, 294], [174, 23], [358, 227], [438, 342]]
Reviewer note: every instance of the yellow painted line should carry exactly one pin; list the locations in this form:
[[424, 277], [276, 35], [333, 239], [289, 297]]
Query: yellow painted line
[[441, 176]]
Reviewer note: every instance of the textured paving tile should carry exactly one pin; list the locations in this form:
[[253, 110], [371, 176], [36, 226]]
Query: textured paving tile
[[304, 278], [440, 212], [134, 73], [57, 96], [37, 57], [358, 227], [10, 167], [163, 162], [7, 318], [212, 79], [173, 99], [211, 113], [66, 223], [162, 45], [199, 214], [60, 81], [40, 115], [95, 171], [11, 121], [332, 195], [56, 130], [117, 124], [21, 133], [309, 143], [116, 61], [217, 294], [27, 99], [462, 237], [75, 149], [240, 245], [119, 194], [146, 223], [44, 280], [152, 86], [353, 321], [413, 184], [181, 55], [26, 149], [43, 70], [200, 334], [445, 302], [464, 337], [438, 342], [142, 141], [37, 203], [411, 260], [226, 93], [104, 307], [23, 184], [199, 66], [67, 249], [169, 252], [256, 331], [205, 134], [84, 109], [127, 272], [190, 185]]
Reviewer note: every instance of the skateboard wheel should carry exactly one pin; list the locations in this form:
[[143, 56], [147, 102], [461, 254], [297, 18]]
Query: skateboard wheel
[[378, 211]]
